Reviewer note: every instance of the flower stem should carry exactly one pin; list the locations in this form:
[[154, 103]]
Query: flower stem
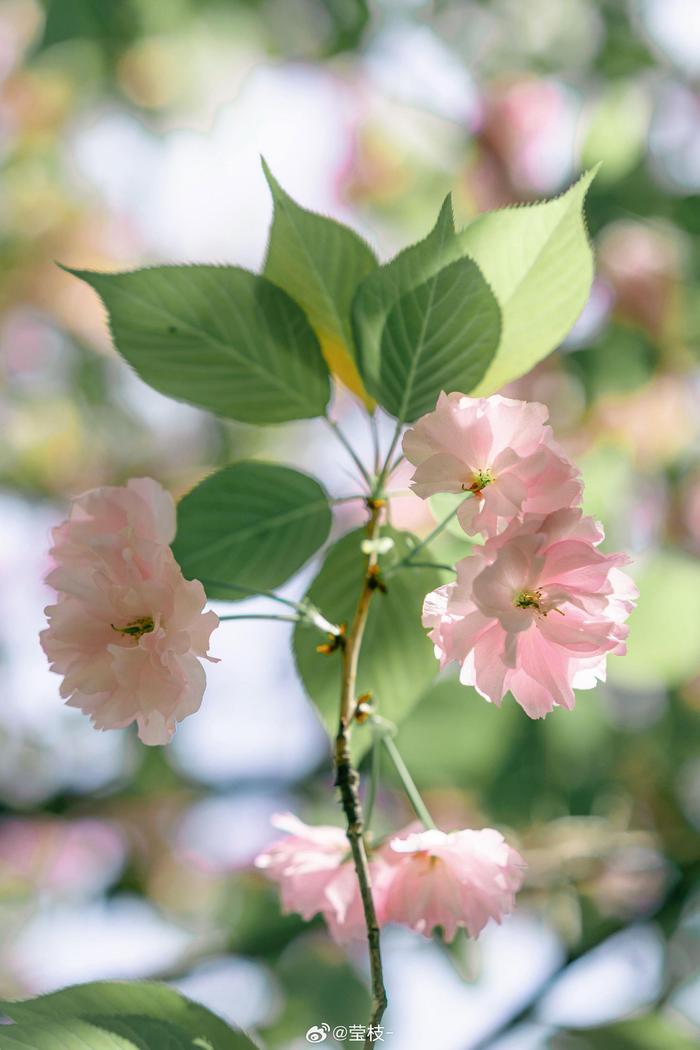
[[408, 782], [374, 774], [249, 592], [397, 463], [262, 616], [304, 609], [349, 449], [408, 558], [386, 469], [426, 565], [347, 779], [375, 439]]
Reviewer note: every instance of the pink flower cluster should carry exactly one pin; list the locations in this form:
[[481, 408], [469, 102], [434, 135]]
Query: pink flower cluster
[[537, 608], [421, 879], [128, 631]]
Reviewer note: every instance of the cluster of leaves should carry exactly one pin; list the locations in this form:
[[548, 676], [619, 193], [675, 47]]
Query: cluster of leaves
[[461, 310]]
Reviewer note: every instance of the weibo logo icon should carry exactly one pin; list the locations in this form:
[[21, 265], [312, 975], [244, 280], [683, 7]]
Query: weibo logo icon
[[318, 1033]]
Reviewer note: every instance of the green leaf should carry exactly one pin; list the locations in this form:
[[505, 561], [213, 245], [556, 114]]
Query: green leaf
[[396, 660], [320, 263], [425, 322], [218, 337], [538, 261], [70, 1035], [650, 1032], [439, 336], [117, 1015], [250, 525], [378, 292], [132, 1032]]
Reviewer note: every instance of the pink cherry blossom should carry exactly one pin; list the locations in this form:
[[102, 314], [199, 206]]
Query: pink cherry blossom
[[535, 611], [499, 450], [128, 631], [106, 524], [314, 873], [460, 878]]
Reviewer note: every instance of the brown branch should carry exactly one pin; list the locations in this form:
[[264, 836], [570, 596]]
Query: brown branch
[[346, 777]]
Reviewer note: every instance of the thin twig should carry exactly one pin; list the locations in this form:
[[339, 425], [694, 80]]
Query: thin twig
[[353, 475], [384, 472], [347, 779], [397, 463], [375, 440], [248, 592], [349, 449]]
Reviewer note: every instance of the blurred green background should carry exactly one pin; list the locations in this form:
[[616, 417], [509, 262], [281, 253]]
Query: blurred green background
[[130, 132]]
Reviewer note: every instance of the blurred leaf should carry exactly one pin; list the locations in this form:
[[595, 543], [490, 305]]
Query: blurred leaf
[[621, 359], [623, 52], [579, 744], [650, 1032], [441, 506], [319, 985], [609, 491], [252, 913], [120, 1013], [462, 953], [396, 661], [617, 129], [349, 20], [320, 263], [454, 736], [251, 525], [218, 337], [664, 640], [113, 26], [538, 260]]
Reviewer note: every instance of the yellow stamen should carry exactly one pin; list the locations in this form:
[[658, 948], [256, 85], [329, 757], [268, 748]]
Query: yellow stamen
[[137, 628], [529, 600], [533, 600], [480, 480]]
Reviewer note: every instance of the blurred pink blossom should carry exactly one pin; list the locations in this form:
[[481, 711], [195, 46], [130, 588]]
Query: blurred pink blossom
[[63, 857], [451, 879], [128, 631], [643, 266], [656, 422], [422, 879], [312, 867], [526, 140], [535, 611], [499, 450]]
